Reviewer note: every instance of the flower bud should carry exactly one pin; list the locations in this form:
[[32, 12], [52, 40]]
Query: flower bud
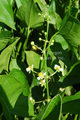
[[32, 42]]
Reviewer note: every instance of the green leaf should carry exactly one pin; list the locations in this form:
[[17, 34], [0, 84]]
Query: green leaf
[[23, 107], [32, 58], [34, 83], [5, 34], [71, 104], [58, 38], [59, 51], [55, 18], [72, 12], [67, 117], [28, 14], [14, 65], [20, 2], [51, 110], [3, 43], [6, 14], [71, 78], [4, 39], [71, 33], [14, 88], [5, 56], [16, 102], [6, 111], [17, 74]]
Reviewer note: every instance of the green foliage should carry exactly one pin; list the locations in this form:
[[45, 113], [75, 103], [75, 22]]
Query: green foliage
[[39, 60]]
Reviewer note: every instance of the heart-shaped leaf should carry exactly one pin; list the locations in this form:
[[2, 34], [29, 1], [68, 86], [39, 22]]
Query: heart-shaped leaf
[[22, 78], [28, 14], [32, 58]]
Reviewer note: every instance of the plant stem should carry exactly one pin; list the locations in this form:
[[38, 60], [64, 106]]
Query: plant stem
[[25, 44], [38, 47], [69, 6], [53, 73], [45, 63], [20, 43]]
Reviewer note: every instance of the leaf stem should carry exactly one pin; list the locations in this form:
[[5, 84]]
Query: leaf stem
[[53, 73], [42, 101]]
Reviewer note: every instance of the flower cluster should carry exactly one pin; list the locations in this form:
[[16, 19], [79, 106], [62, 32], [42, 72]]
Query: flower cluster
[[45, 15], [42, 83], [41, 77]]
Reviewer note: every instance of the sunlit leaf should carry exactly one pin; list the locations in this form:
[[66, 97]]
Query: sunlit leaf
[[20, 2], [5, 56], [17, 74], [6, 13], [32, 58], [28, 14]]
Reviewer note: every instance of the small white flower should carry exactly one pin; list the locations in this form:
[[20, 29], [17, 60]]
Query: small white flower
[[29, 69], [32, 66], [42, 82], [38, 78], [41, 75], [61, 69], [61, 89], [30, 98], [44, 73], [57, 67]]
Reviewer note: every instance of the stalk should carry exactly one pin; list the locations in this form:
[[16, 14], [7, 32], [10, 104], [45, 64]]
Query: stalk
[[70, 5], [25, 44], [45, 57]]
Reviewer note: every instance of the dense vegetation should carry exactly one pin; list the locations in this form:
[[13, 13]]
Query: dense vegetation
[[39, 60]]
